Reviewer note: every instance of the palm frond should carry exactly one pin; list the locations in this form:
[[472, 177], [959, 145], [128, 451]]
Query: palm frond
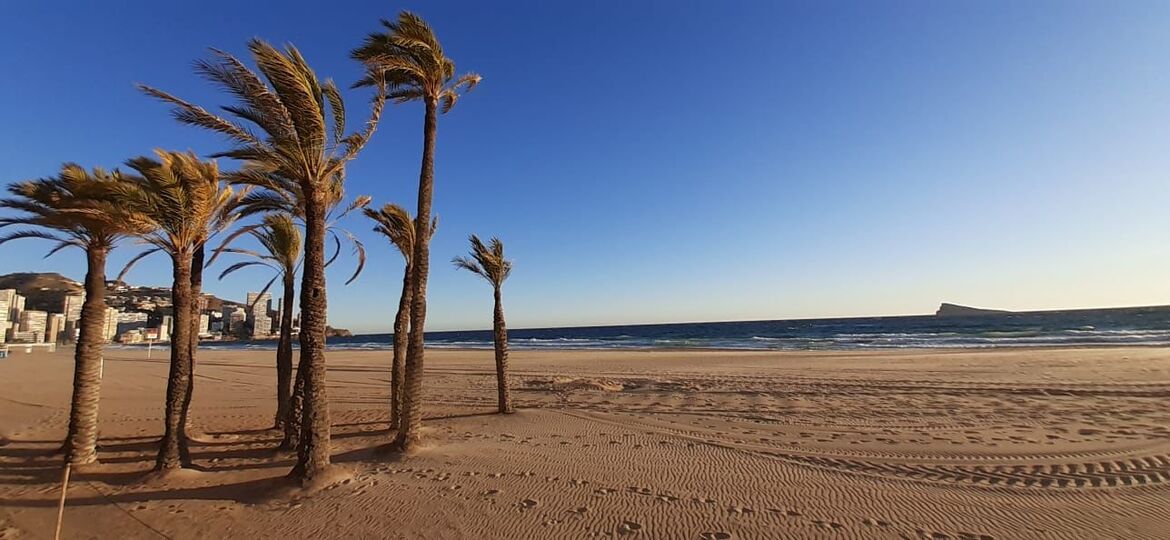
[[63, 244], [134, 260], [29, 233], [194, 115], [243, 264], [486, 260], [224, 245]]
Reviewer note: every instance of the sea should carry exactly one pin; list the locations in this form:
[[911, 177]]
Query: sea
[[1148, 326]]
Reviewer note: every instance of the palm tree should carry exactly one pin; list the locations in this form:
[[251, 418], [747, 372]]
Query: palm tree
[[185, 201], [303, 121], [75, 209], [489, 263], [273, 193], [410, 60], [394, 222], [281, 242]]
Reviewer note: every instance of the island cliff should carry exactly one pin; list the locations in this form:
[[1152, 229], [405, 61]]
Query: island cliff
[[955, 310]]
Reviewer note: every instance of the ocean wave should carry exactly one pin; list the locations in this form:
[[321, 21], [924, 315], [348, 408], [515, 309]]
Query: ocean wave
[[1148, 327]]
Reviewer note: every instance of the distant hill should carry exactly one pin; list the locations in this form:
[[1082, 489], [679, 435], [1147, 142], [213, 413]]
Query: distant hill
[[955, 310], [42, 292], [46, 292]]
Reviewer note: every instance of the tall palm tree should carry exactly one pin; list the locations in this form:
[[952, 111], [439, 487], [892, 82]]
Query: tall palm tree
[[75, 209], [394, 222], [489, 263], [272, 193], [410, 60], [281, 242], [303, 121], [186, 202]]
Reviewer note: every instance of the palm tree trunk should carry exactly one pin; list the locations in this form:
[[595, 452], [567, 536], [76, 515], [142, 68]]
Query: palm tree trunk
[[314, 448], [500, 333], [197, 260], [81, 442], [296, 408], [284, 367], [411, 420], [401, 324], [172, 452]]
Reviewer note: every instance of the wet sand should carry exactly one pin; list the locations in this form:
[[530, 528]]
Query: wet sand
[[632, 444]]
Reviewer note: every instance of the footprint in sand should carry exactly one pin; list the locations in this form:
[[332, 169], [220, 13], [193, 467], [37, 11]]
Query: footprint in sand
[[528, 503], [718, 535]]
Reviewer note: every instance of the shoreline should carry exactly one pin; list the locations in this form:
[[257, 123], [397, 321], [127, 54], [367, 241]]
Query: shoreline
[[512, 348]]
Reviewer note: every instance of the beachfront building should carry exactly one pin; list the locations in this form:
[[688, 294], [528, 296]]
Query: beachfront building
[[55, 328], [110, 328], [32, 326], [14, 303], [261, 324], [3, 320], [136, 335], [72, 307], [234, 318], [260, 302], [204, 321], [259, 317], [166, 328]]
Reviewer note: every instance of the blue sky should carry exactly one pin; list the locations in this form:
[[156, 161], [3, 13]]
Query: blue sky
[[682, 161]]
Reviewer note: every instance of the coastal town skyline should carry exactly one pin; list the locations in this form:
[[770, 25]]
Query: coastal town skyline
[[136, 315]]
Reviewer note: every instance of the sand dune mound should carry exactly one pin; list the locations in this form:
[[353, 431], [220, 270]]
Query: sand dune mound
[[568, 384]]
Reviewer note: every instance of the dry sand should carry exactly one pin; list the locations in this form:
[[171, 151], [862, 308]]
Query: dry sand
[[937, 444]]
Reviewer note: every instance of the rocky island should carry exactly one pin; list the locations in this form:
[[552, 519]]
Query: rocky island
[[955, 310]]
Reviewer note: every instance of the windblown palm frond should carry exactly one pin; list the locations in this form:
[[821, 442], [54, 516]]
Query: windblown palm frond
[[286, 102], [281, 242], [394, 222], [408, 59], [181, 197], [280, 196], [76, 208], [280, 239], [486, 261]]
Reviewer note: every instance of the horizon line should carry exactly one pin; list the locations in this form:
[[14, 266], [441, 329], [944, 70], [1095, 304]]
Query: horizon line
[[839, 318]]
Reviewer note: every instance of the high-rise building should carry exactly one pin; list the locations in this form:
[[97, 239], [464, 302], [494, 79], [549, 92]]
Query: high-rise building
[[72, 307], [3, 317], [16, 307], [202, 302], [261, 324], [259, 302], [56, 327], [204, 320], [166, 328], [15, 303], [110, 329], [259, 306], [34, 322]]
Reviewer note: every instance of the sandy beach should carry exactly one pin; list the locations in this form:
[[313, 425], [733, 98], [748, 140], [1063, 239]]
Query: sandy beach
[[651, 444]]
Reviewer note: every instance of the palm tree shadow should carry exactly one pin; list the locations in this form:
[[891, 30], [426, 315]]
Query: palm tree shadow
[[257, 491]]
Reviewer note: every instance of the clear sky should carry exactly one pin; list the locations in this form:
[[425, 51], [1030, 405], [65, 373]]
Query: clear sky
[[677, 160]]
